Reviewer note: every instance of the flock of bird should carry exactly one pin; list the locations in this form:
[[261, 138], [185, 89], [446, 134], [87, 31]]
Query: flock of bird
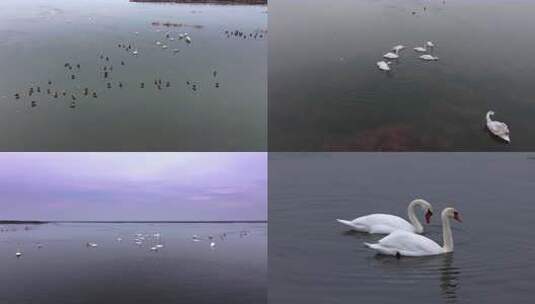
[[497, 128], [256, 34], [106, 67], [393, 54], [154, 241], [403, 237]]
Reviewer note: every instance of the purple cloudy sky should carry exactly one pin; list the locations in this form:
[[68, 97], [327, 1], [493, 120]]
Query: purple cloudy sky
[[133, 186]]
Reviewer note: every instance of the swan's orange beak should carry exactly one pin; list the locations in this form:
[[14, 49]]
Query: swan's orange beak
[[428, 216], [457, 217]]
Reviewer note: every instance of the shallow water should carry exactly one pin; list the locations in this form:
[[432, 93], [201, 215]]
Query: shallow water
[[64, 270], [313, 259], [326, 93], [38, 37]]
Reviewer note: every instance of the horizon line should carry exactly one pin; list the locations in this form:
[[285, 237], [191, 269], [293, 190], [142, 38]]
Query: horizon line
[[135, 221]]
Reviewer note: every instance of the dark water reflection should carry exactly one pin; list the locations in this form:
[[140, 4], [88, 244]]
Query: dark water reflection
[[65, 270], [326, 92], [313, 259]]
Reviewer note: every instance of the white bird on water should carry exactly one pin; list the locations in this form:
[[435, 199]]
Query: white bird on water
[[187, 39], [91, 244], [387, 223], [135, 52], [430, 44], [383, 66], [391, 55], [18, 254], [428, 57], [402, 243], [497, 128], [420, 49], [153, 248], [398, 48], [212, 245]]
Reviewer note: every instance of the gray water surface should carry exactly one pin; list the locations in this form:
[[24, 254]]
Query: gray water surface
[[65, 270], [326, 93], [313, 259], [225, 112]]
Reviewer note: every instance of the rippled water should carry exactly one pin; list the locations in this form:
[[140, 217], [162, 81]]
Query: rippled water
[[65, 270], [326, 93], [38, 37], [313, 259]]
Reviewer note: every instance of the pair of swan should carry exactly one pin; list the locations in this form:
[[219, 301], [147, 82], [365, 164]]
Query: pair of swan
[[497, 128], [393, 54], [403, 239]]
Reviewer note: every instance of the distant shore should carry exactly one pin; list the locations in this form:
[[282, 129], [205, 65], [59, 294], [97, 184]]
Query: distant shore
[[134, 222], [226, 2]]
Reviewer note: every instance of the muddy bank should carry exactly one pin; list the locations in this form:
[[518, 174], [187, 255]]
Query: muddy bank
[[227, 2]]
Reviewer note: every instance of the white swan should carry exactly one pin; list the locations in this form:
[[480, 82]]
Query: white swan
[[498, 128], [429, 57], [420, 49], [18, 254], [430, 44], [386, 223], [187, 39], [212, 245], [398, 48], [391, 55], [383, 66], [402, 243]]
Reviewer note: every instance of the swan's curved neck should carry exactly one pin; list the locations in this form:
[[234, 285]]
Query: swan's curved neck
[[488, 117], [418, 228], [446, 233]]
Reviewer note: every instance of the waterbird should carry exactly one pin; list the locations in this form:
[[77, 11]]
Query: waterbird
[[119, 239], [385, 223], [398, 48], [38, 89], [109, 85], [159, 246], [175, 51], [142, 85], [50, 82], [428, 57], [420, 49], [135, 52], [120, 84], [167, 84], [383, 66], [391, 55], [212, 245], [402, 243], [154, 248], [164, 46], [91, 244], [187, 39], [497, 128], [217, 84], [430, 44], [18, 254], [34, 103]]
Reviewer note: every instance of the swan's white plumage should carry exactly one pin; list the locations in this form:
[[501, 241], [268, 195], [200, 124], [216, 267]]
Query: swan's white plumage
[[420, 49], [381, 223], [398, 48], [429, 57], [378, 223], [406, 244], [391, 55], [383, 66], [497, 128], [410, 244]]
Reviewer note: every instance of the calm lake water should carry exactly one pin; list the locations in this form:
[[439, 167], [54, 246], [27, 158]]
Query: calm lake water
[[65, 270], [225, 112], [326, 93], [312, 259]]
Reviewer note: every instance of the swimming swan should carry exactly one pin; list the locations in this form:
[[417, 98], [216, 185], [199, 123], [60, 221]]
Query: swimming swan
[[497, 128], [420, 49], [383, 66], [428, 57], [398, 48], [402, 243], [391, 55], [386, 223], [430, 44]]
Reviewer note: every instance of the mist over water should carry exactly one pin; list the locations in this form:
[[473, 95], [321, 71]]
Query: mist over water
[[312, 258], [65, 270]]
